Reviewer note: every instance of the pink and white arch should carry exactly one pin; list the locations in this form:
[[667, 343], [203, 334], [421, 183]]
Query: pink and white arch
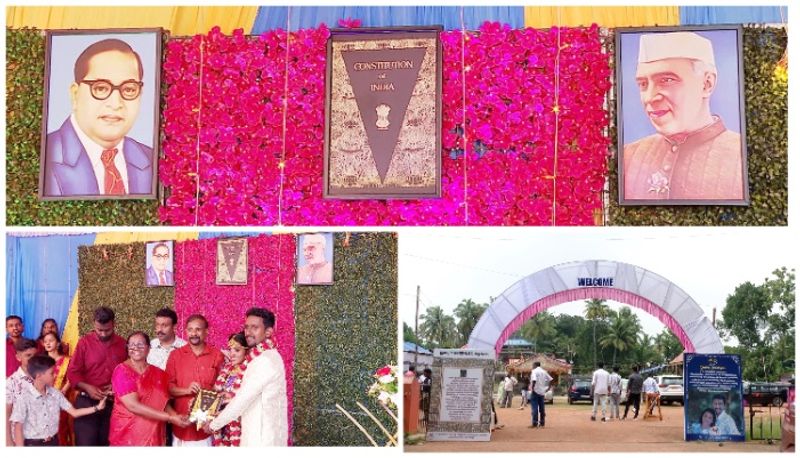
[[609, 280]]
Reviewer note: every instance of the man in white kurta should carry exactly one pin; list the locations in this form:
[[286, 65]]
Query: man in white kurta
[[261, 399]]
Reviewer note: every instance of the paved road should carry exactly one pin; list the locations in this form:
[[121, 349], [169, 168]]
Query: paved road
[[569, 429]]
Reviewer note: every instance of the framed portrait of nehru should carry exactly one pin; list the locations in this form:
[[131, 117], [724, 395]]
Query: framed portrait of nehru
[[232, 261], [383, 113], [315, 259], [681, 121], [101, 114]]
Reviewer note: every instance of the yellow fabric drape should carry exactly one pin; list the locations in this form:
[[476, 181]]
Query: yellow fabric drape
[[71, 333], [179, 20], [604, 16]]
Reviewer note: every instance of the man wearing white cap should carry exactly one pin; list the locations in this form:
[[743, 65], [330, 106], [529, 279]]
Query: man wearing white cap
[[692, 155]]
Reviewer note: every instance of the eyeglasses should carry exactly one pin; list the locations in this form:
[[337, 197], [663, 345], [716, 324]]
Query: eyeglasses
[[138, 346], [102, 89], [161, 256]]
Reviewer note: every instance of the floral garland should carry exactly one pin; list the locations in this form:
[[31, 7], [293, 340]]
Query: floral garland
[[510, 113], [270, 262], [385, 387], [231, 434]]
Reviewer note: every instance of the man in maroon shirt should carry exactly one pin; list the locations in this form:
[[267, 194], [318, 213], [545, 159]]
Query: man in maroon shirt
[[191, 368], [14, 330], [90, 369]]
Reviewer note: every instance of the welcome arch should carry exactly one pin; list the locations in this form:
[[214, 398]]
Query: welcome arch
[[595, 279]]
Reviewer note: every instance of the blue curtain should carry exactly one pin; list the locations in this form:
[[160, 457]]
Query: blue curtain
[[702, 15], [215, 234], [303, 17], [42, 277]]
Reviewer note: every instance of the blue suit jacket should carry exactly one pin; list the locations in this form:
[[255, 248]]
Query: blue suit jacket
[[68, 170], [152, 277]]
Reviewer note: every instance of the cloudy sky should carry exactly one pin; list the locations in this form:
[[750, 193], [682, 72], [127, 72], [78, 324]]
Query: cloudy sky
[[453, 264]]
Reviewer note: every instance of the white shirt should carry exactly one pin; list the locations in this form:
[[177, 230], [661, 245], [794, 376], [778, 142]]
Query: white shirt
[[600, 381], [616, 383], [726, 425], [261, 402], [159, 354], [95, 151], [15, 383], [650, 385], [508, 383], [542, 379]]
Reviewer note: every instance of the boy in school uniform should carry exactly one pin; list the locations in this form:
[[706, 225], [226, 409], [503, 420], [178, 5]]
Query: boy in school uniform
[[36, 412]]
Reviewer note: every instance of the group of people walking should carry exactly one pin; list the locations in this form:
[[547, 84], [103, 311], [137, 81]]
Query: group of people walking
[[139, 392], [607, 392]]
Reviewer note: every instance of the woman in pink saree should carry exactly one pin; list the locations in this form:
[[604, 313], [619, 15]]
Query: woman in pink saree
[[141, 397]]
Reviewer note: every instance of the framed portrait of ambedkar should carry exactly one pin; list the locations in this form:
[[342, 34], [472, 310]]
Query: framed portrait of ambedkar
[[101, 114], [159, 263], [383, 114], [681, 117]]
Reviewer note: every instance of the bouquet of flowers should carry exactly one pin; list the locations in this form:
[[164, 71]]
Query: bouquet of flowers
[[385, 387]]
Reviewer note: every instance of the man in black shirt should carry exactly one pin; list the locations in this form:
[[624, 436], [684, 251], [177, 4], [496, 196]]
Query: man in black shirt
[[635, 382]]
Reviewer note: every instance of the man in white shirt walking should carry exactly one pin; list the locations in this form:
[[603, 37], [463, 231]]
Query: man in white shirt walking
[[651, 393], [508, 390], [615, 380], [600, 390], [540, 383]]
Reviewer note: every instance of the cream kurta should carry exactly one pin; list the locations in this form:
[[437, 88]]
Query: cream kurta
[[261, 402], [706, 165]]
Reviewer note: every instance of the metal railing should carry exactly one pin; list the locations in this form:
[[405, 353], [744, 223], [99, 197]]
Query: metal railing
[[765, 427]]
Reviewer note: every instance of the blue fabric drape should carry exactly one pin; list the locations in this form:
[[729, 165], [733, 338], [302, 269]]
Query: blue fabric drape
[[215, 234], [303, 17], [702, 15], [42, 277]]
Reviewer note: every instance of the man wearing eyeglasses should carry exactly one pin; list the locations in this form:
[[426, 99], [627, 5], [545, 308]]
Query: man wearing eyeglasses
[[90, 154], [157, 273]]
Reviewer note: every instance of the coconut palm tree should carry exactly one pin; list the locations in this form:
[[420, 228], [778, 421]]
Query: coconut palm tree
[[596, 309], [622, 334], [541, 326], [438, 328], [468, 313], [643, 352]]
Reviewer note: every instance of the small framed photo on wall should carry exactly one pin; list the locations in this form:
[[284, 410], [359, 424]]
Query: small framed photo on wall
[[159, 263], [681, 118], [100, 124], [232, 261], [315, 259]]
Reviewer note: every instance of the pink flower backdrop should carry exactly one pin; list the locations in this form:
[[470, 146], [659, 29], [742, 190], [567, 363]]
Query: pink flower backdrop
[[535, 131], [270, 278]]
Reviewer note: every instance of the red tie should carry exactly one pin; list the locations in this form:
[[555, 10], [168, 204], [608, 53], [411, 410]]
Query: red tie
[[113, 180], [163, 279]]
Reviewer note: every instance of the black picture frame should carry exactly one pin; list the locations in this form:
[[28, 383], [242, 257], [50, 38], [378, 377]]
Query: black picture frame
[[645, 189], [65, 170], [332, 182]]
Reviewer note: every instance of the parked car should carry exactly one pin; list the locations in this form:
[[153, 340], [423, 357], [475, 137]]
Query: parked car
[[671, 388], [580, 390], [762, 393]]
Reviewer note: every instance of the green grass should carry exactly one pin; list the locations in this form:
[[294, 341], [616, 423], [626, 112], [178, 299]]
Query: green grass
[[761, 428]]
